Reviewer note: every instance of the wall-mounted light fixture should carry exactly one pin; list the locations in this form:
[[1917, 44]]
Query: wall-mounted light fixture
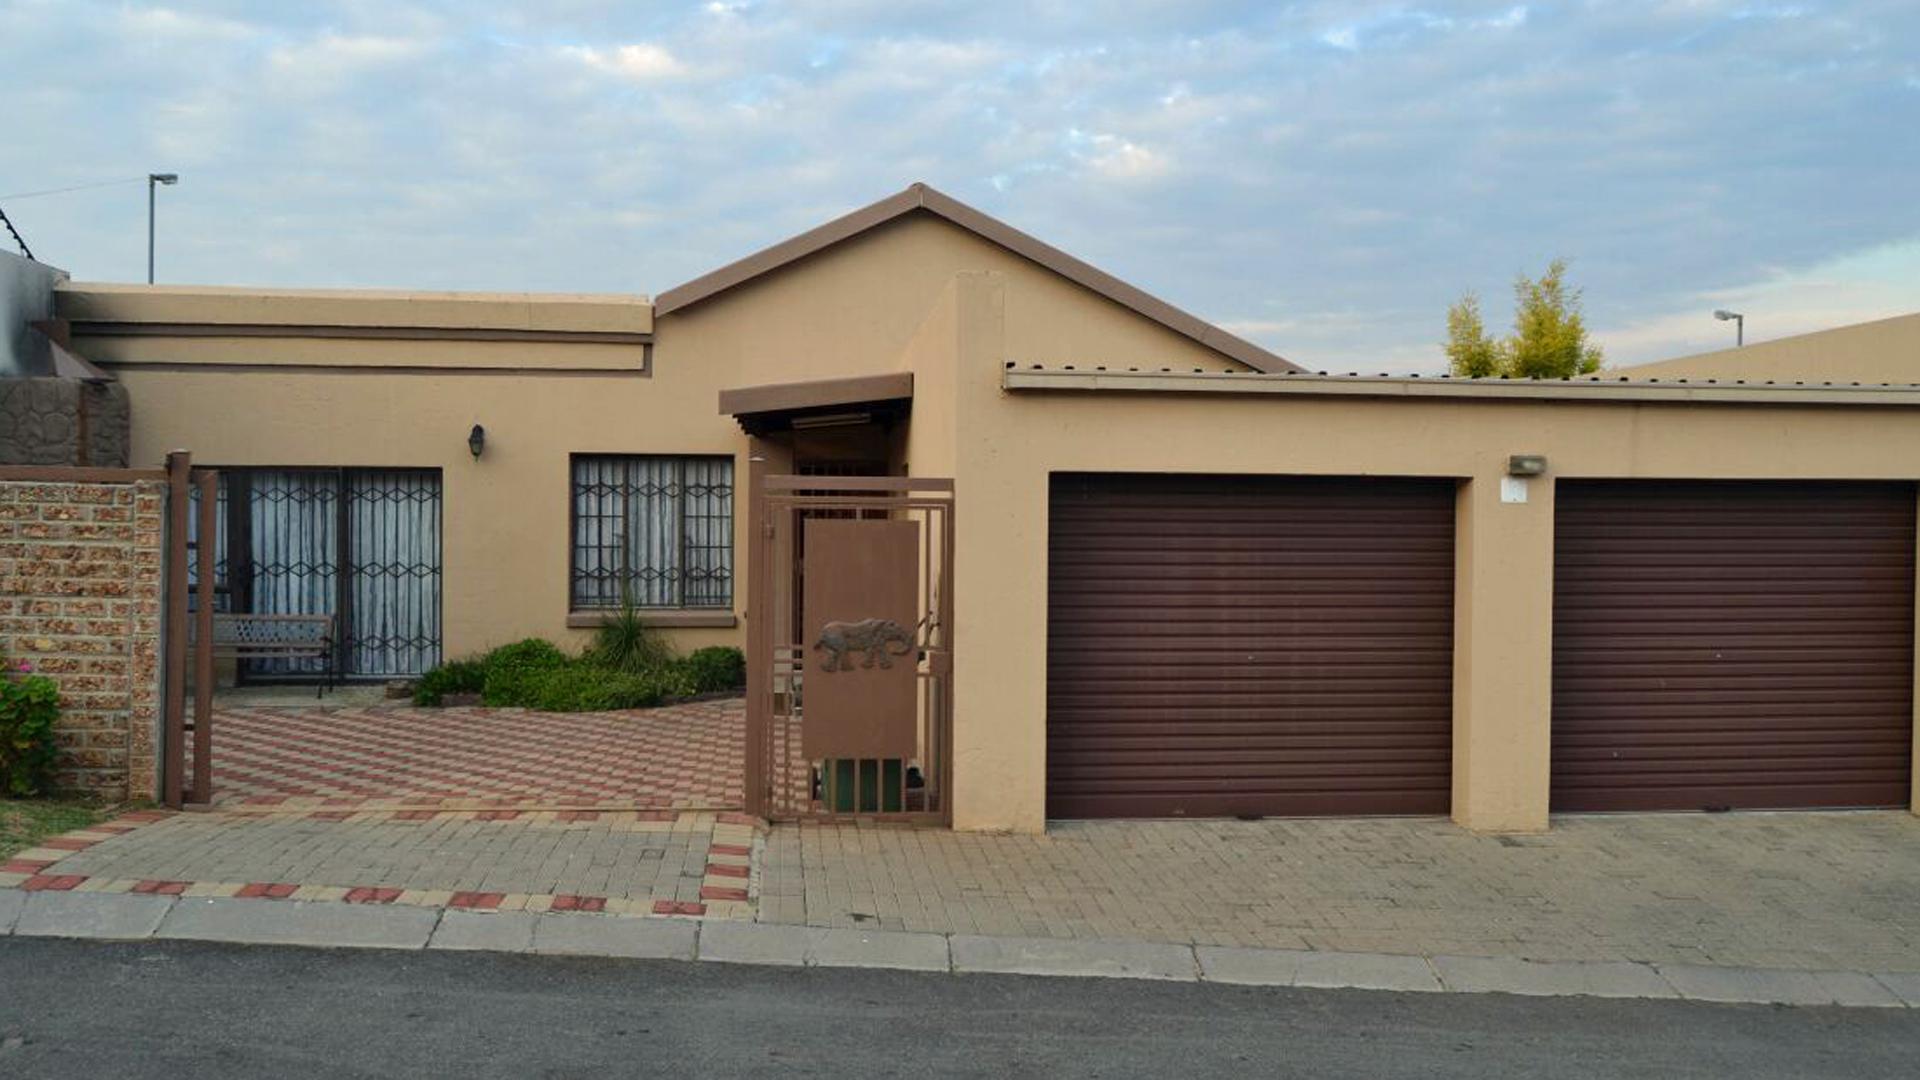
[[1527, 465], [477, 441]]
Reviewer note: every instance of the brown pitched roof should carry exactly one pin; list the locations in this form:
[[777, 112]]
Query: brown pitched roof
[[920, 198]]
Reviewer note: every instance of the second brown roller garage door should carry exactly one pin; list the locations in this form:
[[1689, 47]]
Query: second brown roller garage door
[[1732, 645], [1233, 645]]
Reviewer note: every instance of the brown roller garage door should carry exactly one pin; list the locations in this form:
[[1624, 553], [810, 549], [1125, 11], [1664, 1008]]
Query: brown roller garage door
[[1249, 645], [1732, 645]]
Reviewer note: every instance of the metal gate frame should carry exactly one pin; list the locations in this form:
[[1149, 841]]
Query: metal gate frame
[[186, 751], [780, 783]]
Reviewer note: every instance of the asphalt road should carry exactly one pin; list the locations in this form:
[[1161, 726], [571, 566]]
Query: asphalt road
[[183, 1010]]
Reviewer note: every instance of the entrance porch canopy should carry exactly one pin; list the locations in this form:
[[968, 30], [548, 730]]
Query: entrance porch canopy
[[819, 403]]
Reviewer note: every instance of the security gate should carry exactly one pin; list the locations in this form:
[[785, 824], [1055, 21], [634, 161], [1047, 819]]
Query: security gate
[[850, 647], [362, 545]]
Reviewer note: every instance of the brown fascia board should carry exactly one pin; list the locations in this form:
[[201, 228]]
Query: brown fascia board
[[920, 197], [817, 394]]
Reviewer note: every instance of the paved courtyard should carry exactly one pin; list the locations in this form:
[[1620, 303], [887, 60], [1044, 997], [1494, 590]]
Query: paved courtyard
[[1810, 891], [371, 756]]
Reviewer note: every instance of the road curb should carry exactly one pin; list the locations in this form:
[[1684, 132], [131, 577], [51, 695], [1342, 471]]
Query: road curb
[[120, 917]]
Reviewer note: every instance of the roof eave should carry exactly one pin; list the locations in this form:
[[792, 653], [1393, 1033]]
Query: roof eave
[[1113, 380]]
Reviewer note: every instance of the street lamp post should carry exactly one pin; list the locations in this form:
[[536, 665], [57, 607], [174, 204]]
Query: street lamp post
[[1739, 325], [154, 180]]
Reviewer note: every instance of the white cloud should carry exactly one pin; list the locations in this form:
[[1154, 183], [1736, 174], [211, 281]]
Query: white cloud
[[1873, 284], [1219, 153], [1115, 158], [639, 62]]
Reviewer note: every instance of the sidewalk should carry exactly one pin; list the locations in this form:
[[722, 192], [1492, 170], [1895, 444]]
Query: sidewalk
[[1787, 908], [312, 924], [1813, 891]]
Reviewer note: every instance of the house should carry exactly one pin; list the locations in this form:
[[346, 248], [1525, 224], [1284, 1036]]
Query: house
[[1186, 578]]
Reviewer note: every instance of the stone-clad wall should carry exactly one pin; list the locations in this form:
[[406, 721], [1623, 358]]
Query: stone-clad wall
[[81, 595], [40, 422]]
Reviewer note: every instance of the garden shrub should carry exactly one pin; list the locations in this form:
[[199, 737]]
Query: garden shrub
[[29, 704], [514, 671], [533, 652], [535, 674], [453, 677], [624, 642], [591, 688], [717, 668]]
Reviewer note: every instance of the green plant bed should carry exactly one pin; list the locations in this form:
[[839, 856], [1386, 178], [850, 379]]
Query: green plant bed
[[26, 822], [452, 677], [620, 671], [29, 705], [717, 669]]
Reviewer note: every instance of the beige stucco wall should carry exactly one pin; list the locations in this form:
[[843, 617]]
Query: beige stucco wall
[[1009, 443], [872, 304], [1883, 351]]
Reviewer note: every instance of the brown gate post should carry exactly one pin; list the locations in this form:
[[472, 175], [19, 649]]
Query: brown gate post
[[203, 640], [174, 750], [760, 613]]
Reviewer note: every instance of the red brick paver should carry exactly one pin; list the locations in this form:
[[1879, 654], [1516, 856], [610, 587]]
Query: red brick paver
[[676, 757]]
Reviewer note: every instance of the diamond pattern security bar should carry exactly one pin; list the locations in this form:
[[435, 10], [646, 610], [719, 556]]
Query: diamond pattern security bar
[[659, 529]]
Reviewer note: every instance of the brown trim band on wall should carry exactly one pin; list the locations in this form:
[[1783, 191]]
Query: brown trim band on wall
[[72, 474], [96, 328], [644, 371]]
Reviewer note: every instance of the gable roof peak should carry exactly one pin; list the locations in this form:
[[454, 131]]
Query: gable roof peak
[[922, 197]]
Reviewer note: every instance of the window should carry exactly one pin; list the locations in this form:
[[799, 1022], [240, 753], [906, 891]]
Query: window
[[658, 528]]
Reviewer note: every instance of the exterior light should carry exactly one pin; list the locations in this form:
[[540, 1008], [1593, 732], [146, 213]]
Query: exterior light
[[1527, 465], [153, 181], [477, 441], [1739, 325]]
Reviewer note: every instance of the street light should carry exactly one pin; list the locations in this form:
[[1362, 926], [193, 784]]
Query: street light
[[153, 181], [1739, 325]]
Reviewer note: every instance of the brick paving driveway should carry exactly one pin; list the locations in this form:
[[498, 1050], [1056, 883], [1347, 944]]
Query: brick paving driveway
[[1810, 891], [616, 862], [676, 757]]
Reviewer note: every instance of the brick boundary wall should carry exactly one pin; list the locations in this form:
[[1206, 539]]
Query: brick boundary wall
[[82, 591]]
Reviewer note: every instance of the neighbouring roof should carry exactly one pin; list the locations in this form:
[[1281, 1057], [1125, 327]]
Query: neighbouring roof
[[920, 198], [1884, 350], [1595, 389]]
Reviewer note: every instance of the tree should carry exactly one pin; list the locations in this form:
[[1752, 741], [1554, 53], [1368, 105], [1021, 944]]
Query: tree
[[1549, 339]]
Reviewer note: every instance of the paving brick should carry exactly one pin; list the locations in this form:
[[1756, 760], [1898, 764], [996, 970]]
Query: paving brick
[[11, 901], [340, 761], [1052, 956], [875, 949], [1511, 975], [1808, 891], [604, 935], [1775, 987], [295, 922], [1903, 985], [494, 931], [91, 915], [754, 943]]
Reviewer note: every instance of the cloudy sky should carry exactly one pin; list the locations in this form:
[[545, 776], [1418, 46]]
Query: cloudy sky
[[1321, 177]]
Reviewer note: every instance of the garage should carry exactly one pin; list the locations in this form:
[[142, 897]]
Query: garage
[[1732, 645], [1249, 645]]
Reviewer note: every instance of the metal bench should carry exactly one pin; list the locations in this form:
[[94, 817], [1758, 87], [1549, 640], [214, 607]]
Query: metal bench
[[242, 636]]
